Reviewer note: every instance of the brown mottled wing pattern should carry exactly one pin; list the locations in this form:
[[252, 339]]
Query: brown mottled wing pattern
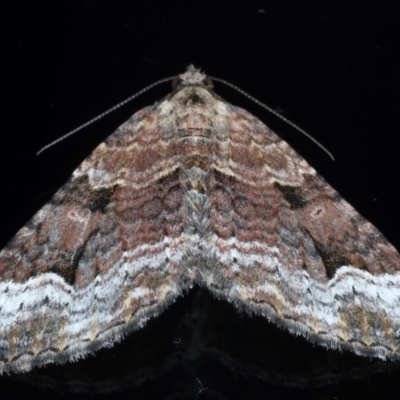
[[101, 257], [194, 190], [287, 246]]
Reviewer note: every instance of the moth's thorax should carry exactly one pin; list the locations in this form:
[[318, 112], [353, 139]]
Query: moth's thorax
[[195, 115]]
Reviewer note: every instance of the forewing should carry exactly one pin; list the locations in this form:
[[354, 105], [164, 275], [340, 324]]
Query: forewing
[[101, 257], [287, 246]]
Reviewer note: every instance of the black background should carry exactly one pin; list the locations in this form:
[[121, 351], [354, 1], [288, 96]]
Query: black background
[[330, 67]]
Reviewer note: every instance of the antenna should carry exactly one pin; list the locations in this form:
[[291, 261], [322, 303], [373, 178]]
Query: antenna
[[272, 111], [103, 114]]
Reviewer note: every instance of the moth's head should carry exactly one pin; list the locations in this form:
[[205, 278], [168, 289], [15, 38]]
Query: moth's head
[[192, 76]]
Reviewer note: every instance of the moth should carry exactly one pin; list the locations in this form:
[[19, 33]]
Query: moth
[[194, 191]]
